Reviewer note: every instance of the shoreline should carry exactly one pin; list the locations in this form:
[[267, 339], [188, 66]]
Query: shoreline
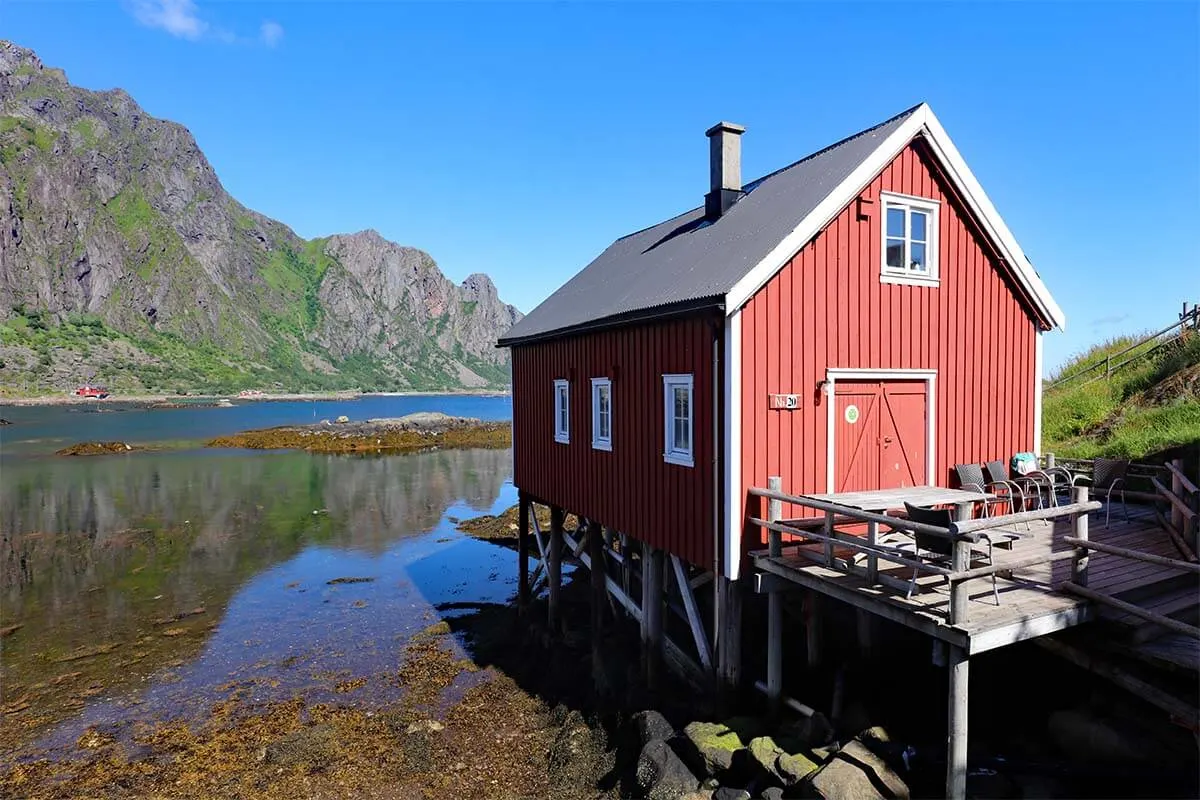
[[197, 399]]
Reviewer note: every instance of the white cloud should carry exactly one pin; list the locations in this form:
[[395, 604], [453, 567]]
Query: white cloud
[[271, 33], [176, 17]]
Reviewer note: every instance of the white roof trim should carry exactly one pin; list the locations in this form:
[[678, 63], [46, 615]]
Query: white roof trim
[[921, 120]]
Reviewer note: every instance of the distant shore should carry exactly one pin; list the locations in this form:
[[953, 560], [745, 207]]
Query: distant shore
[[179, 400]]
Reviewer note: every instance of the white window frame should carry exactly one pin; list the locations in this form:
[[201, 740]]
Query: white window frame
[[673, 454], [601, 442], [904, 275], [562, 403]]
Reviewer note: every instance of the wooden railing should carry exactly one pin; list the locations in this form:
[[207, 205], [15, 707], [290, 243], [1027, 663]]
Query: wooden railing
[[962, 533], [1183, 502]]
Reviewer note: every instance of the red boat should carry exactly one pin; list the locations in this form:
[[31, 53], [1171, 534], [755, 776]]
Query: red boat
[[87, 390]]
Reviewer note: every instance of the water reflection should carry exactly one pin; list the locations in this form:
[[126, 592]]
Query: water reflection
[[202, 567]]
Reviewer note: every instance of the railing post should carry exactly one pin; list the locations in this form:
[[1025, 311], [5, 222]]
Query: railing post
[[1049, 460], [774, 604], [1079, 529], [1177, 490], [872, 559], [829, 539], [960, 561]]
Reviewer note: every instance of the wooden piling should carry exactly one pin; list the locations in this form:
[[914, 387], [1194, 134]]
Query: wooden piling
[[956, 738], [554, 568], [774, 604], [522, 553], [652, 613], [729, 656], [599, 596]]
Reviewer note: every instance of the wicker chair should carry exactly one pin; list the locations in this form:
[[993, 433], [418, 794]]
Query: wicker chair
[[939, 550], [1108, 476], [970, 476], [1020, 487]]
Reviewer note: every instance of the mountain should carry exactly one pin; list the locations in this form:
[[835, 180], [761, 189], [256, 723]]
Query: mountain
[[124, 260]]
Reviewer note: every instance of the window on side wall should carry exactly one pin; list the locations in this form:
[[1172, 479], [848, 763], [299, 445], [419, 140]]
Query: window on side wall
[[562, 412], [602, 413], [910, 240], [678, 412]]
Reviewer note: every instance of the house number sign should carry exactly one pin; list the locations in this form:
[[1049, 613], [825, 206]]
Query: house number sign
[[852, 414], [784, 402]]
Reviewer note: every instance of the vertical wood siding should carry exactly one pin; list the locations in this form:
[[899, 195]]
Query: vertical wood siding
[[630, 488], [828, 309]]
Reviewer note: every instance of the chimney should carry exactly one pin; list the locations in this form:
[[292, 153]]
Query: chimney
[[724, 168]]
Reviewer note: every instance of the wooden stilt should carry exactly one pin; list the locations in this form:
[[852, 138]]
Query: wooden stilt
[[522, 553], [730, 649], [626, 566], [866, 632], [956, 746], [652, 613], [554, 556], [961, 561], [812, 629], [774, 606], [599, 596]]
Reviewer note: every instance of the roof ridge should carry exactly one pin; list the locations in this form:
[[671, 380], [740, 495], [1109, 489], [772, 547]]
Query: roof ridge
[[754, 183]]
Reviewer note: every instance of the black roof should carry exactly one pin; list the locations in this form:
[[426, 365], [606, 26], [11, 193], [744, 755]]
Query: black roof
[[687, 261]]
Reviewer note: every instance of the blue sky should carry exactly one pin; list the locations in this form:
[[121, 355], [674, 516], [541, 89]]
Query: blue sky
[[519, 140]]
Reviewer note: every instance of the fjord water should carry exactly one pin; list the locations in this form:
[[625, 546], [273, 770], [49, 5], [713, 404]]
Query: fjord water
[[150, 585]]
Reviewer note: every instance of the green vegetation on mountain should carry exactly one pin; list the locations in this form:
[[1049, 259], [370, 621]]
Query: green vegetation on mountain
[[124, 261], [1150, 405]]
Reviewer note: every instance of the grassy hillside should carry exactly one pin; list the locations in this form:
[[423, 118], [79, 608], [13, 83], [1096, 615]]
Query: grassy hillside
[[1143, 408]]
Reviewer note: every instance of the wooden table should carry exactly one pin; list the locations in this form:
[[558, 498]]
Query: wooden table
[[880, 500]]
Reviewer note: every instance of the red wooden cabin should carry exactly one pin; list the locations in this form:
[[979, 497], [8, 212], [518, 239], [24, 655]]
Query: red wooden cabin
[[860, 319]]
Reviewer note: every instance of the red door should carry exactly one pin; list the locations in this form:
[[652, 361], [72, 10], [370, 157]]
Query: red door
[[880, 431]]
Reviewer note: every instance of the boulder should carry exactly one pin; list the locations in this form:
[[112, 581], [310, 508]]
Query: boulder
[[713, 745], [342, 420], [856, 773], [661, 774], [578, 753], [651, 725], [794, 768], [771, 793], [764, 754], [730, 793]]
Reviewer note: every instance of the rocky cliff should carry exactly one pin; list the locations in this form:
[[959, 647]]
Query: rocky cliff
[[123, 259]]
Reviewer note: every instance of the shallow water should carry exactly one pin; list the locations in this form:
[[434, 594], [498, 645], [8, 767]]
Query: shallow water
[[40, 429], [98, 555]]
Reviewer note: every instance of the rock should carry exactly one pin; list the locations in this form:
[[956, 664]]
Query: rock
[[577, 754], [650, 725], [794, 768], [4, 421], [771, 793], [730, 793], [765, 753], [856, 773], [713, 745], [426, 725], [342, 420], [661, 775]]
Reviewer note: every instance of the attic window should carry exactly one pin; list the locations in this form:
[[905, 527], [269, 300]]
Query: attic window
[[909, 240]]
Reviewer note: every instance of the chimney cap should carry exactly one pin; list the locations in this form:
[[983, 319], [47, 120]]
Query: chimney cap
[[725, 127]]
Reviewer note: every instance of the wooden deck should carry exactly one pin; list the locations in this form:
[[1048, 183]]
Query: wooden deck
[[1030, 605]]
